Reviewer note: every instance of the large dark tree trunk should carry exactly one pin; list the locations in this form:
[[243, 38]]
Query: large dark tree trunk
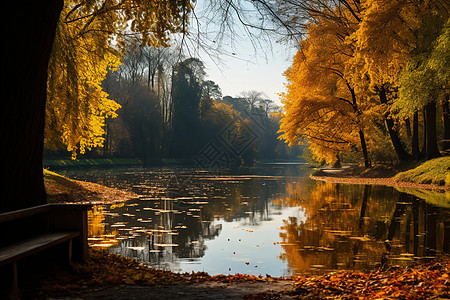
[[431, 148], [395, 139], [30, 31], [367, 163], [424, 135]]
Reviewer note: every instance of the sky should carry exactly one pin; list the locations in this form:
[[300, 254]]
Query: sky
[[241, 67], [244, 72]]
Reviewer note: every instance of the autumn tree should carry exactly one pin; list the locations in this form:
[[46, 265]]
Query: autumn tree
[[321, 106], [426, 80], [77, 105], [210, 92], [388, 48], [391, 36], [252, 98], [137, 130], [27, 80]]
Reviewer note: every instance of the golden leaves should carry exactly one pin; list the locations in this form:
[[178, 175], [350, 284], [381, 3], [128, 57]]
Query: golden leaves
[[77, 106], [418, 282], [87, 44], [319, 106], [346, 59]]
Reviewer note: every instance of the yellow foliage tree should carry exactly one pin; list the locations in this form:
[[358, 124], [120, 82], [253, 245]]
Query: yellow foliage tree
[[89, 41], [150, 21], [76, 104], [390, 36], [364, 53], [321, 106]]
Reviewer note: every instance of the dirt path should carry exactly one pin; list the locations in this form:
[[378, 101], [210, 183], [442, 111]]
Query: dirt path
[[204, 290]]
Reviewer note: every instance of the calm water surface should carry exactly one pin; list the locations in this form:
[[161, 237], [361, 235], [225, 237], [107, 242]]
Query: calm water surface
[[270, 219]]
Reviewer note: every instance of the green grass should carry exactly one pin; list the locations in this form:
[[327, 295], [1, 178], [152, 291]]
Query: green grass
[[92, 162], [54, 178], [435, 171]]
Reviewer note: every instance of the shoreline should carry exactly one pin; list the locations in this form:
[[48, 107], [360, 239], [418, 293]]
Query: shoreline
[[61, 189], [111, 276]]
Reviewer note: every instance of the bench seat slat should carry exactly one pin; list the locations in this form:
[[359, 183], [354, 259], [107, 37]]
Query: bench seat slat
[[31, 246]]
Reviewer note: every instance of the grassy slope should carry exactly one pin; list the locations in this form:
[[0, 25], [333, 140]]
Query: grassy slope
[[435, 171], [62, 189]]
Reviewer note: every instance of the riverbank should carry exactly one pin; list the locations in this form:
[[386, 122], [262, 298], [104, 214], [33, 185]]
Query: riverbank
[[64, 190], [430, 175]]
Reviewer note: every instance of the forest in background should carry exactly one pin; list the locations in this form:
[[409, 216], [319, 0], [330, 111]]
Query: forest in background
[[156, 104]]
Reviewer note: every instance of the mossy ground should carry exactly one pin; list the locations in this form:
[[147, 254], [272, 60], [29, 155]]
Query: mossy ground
[[435, 171]]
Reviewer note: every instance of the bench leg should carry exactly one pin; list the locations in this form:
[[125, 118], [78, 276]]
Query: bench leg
[[70, 253], [14, 294]]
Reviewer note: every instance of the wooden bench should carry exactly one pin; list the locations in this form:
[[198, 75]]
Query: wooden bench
[[35, 230]]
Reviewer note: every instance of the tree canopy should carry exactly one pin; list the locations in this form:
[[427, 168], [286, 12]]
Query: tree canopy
[[387, 61]]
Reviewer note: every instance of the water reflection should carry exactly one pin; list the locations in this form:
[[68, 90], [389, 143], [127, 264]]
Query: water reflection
[[360, 227], [272, 220]]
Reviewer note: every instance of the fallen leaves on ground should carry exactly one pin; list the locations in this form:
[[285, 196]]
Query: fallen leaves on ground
[[64, 190], [421, 281], [104, 269]]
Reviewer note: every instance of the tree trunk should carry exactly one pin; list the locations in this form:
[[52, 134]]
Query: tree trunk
[[415, 137], [337, 163], [424, 136], [395, 139], [30, 31], [362, 139], [367, 163], [408, 127], [431, 148], [446, 117]]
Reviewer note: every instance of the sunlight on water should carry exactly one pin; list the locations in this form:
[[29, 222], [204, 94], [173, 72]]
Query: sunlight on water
[[272, 220]]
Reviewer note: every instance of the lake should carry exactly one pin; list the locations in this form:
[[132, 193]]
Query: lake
[[270, 219]]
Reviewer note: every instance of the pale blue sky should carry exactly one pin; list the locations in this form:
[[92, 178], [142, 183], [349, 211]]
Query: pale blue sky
[[261, 74], [242, 67]]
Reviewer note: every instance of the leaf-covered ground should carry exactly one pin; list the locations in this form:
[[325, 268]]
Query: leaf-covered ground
[[425, 281], [112, 277], [61, 189]]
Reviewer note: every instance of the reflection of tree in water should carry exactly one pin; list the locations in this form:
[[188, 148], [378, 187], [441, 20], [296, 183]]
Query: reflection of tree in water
[[418, 228], [158, 233], [175, 217], [359, 227], [98, 237]]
